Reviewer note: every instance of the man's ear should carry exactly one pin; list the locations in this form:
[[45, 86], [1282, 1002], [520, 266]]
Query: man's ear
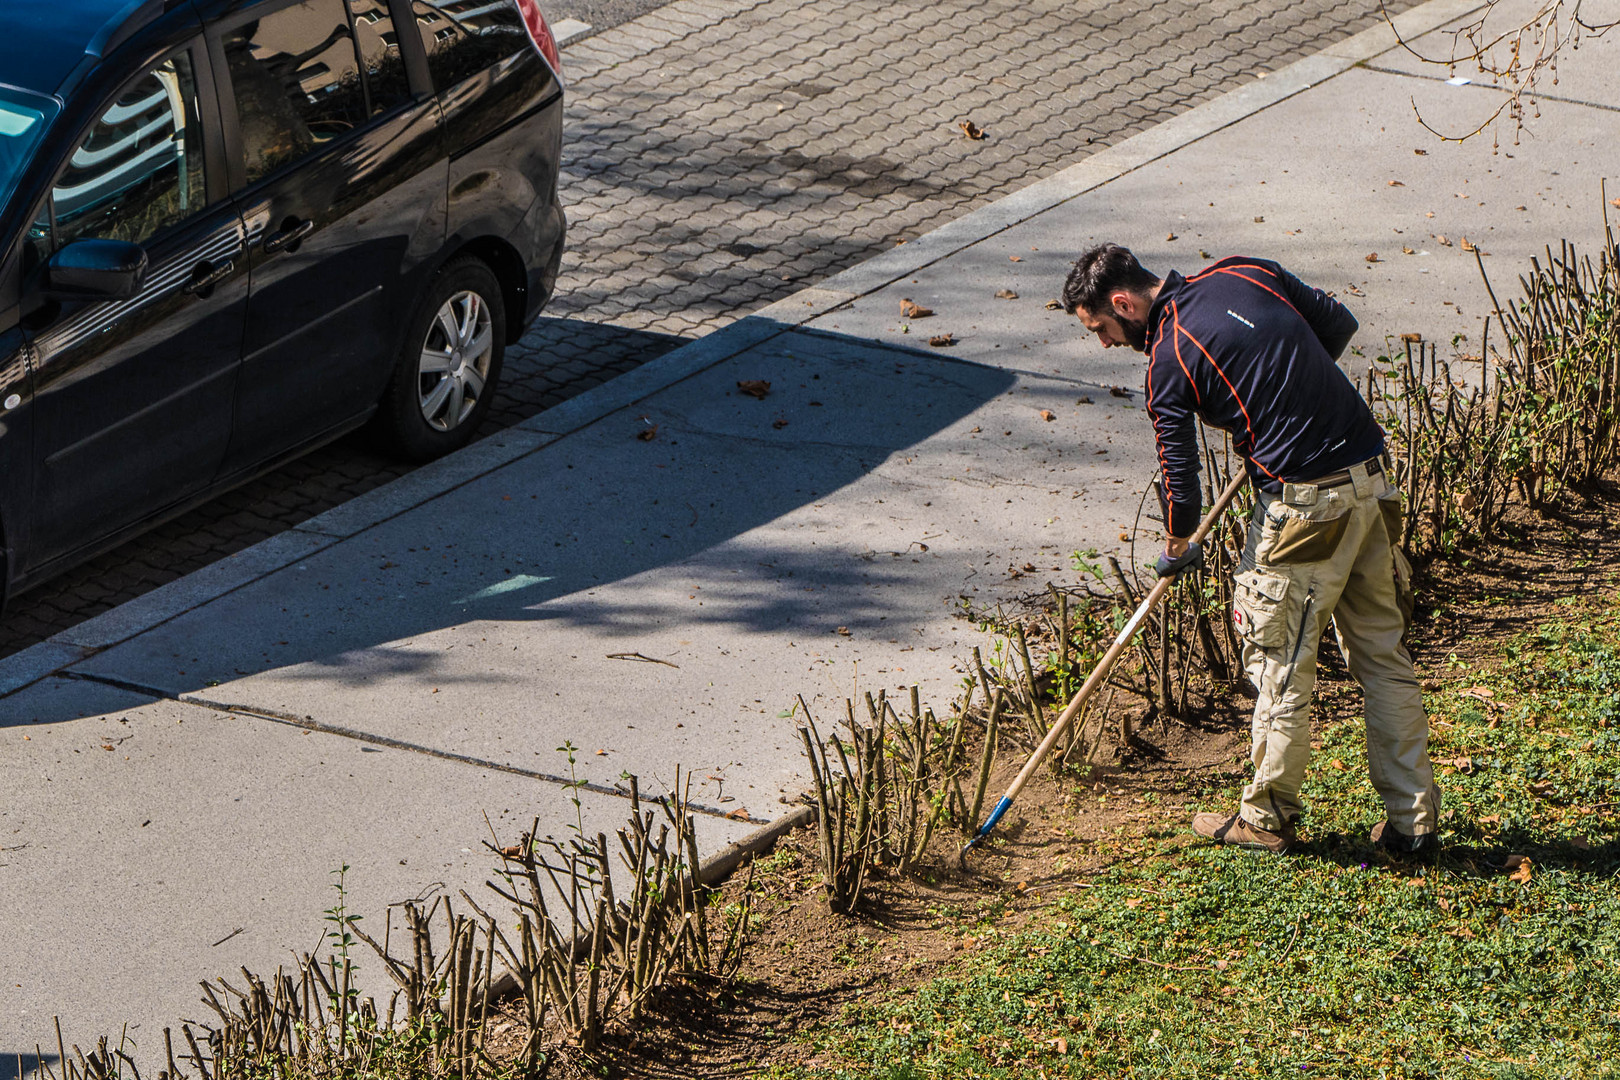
[[1124, 302]]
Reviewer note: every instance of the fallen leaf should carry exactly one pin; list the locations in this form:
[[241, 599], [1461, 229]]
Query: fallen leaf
[[1124, 536], [1521, 865], [971, 130], [739, 814], [1053, 305], [1415, 883], [1491, 819], [1082, 401], [1415, 339], [1614, 203], [844, 630], [513, 851], [1353, 291], [1118, 391], [1442, 241], [601, 753], [975, 429], [1015, 258], [1521, 208], [648, 434], [1372, 256], [1338, 766], [1029, 568], [1430, 684], [940, 341], [1580, 843], [1170, 236], [1202, 254], [1006, 294], [754, 388], [1407, 250], [1543, 789], [1484, 693], [106, 746], [1421, 153], [910, 309], [1134, 901], [1260, 219], [779, 423], [1396, 183], [1468, 245], [1048, 415], [1061, 1045]]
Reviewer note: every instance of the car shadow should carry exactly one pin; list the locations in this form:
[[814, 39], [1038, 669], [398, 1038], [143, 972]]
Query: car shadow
[[700, 475]]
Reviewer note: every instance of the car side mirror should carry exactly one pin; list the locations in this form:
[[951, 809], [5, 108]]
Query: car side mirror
[[94, 270]]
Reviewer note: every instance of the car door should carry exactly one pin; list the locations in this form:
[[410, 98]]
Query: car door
[[342, 187], [133, 397]]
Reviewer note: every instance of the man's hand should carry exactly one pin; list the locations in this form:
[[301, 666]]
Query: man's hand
[[1179, 555]]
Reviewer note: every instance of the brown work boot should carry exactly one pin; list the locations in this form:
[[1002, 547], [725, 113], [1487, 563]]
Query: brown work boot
[[1402, 846], [1232, 829]]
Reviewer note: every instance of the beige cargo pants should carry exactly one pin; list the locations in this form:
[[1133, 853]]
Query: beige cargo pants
[[1331, 552]]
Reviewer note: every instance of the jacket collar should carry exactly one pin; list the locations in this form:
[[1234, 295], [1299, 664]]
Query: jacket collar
[[1173, 281]]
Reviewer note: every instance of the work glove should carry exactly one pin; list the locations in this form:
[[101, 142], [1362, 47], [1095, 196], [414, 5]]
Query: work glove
[[1168, 567]]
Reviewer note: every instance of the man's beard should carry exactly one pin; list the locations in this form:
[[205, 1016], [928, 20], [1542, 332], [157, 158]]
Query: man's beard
[[1135, 331]]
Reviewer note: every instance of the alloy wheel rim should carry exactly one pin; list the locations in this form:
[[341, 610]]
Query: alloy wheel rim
[[453, 367]]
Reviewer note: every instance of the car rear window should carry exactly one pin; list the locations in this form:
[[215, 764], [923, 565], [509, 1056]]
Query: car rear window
[[464, 37]]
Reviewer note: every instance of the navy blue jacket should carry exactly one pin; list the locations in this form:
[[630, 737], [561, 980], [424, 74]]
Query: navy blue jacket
[[1250, 349]]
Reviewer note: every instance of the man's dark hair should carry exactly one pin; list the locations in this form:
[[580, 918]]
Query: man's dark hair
[[1100, 271]]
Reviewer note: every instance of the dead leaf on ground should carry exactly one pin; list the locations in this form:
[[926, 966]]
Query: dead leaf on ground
[[601, 753], [1053, 305], [844, 630], [1405, 250], [739, 814], [1015, 258], [1353, 291], [1119, 391], [1061, 1045], [1260, 219], [1484, 693], [779, 423], [1469, 245], [1048, 415], [648, 434], [1491, 819], [1521, 865], [1338, 766], [1029, 568], [1543, 789], [1170, 236], [941, 341], [1615, 203], [1134, 901], [1006, 294], [910, 309], [1430, 684], [1421, 153], [1082, 401], [1414, 339], [1372, 256], [1202, 254], [971, 130], [754, 388], [1442, 241], [513, 851], [1124, 536], [1396, 183]]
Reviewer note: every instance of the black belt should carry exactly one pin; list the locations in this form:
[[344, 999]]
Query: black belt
[[1375, 467]]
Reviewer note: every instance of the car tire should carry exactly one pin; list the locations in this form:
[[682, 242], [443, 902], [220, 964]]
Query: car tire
[[449, 365]]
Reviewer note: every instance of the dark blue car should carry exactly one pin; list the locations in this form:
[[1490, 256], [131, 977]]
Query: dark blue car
[[233, 230]]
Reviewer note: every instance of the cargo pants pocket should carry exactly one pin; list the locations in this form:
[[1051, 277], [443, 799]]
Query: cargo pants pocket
[[1259, 607], [1304, 540]]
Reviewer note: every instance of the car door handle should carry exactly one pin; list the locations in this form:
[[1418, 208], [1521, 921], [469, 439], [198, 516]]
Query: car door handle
[[286, 238], [206, 276]]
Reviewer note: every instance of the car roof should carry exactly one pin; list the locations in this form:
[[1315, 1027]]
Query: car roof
[[46, 40]]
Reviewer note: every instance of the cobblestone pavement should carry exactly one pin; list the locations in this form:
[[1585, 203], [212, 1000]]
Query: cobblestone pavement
[[721, 154]]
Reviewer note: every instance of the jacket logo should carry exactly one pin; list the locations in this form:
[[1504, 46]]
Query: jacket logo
[[1240, 318]]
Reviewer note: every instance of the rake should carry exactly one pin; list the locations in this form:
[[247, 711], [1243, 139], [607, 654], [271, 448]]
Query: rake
[[1100, 673]]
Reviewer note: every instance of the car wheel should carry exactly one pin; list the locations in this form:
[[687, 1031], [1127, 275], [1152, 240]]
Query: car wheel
[[449, 365]]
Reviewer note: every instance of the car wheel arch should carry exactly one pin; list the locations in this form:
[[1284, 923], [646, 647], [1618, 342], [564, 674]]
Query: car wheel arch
[[503, 259]]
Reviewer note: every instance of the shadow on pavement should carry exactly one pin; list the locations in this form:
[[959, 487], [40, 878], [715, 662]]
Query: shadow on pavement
[[533, 541]]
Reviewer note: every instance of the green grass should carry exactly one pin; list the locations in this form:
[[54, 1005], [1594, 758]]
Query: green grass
[[1195, 961]]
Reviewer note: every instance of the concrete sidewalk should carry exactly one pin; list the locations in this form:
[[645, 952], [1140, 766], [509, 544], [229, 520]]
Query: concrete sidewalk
[[360, 690]]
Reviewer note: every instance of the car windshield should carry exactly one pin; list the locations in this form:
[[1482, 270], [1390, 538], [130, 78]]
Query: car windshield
[[23, 120]]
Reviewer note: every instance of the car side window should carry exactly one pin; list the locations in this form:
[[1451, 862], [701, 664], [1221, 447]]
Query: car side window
[[139, 168], [297, 83], [463, 37], [386, 81]]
